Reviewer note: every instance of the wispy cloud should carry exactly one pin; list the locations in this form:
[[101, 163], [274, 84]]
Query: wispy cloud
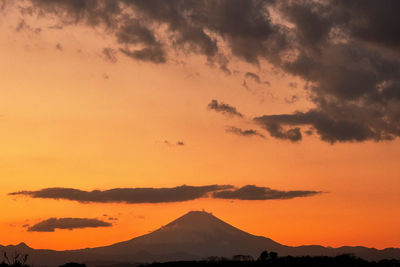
[[241, 132], [110, 54], [224, 108], [177, 143], [253, 76]]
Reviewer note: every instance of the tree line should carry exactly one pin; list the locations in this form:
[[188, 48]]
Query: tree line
[[266, 259]]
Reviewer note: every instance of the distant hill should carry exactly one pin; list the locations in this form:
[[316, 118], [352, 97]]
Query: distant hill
[[196, 235]]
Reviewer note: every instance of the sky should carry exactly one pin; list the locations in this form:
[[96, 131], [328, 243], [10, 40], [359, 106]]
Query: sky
[[280, 117]]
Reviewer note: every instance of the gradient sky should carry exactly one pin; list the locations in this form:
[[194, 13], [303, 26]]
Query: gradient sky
[[74, 117]]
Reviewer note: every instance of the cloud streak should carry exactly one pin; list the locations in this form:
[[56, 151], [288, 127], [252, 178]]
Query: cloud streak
[[126, 195], [252, 192], [163, 195], [245, 133], [51, 224], [223, 108], [253, 76]]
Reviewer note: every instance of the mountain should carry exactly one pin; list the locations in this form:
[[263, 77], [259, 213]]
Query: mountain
[[196, 235]]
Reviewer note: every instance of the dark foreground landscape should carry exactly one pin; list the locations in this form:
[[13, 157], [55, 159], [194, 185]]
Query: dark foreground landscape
[[265, 259], [200, 239]]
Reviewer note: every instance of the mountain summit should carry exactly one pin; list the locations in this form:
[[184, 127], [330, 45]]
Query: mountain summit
[[197, 227]]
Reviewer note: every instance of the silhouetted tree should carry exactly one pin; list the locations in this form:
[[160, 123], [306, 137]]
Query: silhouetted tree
[[15, 260], [272, 260], [242, 258], [273, 255], [263, 256]]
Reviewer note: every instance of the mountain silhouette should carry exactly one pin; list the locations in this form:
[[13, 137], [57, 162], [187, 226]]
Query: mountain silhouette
[[196, 235]]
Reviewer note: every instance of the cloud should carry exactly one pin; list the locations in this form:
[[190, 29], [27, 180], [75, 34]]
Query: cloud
[[347, 51], [178, 143], [371, 21], [126, 195], [160, 195], [153, 54], [192, 26], [330, 128], [273, 124], [241, 132], [253, 76], [51, 224], [252, 192], [110, 54], [59, 47], [23, 26], [224, 108], [133, 33]]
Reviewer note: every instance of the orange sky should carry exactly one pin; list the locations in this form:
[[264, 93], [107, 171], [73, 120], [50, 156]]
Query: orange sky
[[63, 124]]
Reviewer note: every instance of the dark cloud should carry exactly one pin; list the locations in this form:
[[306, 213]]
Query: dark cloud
[[341, 127], [241, 132], [153, 54], [133, 33], [151, 195], [309, 131], [353, 75], [89, 12], [243, 25], [137, 41], [59, 47], [127, 195], [51, 224], [273, 124], [224, 108], [253, 76], [110, 54], [252, 192], [23, 26], [347, 51], [371, 21]]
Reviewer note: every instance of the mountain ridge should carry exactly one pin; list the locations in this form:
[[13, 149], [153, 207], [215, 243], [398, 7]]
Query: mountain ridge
[[195, 235]]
